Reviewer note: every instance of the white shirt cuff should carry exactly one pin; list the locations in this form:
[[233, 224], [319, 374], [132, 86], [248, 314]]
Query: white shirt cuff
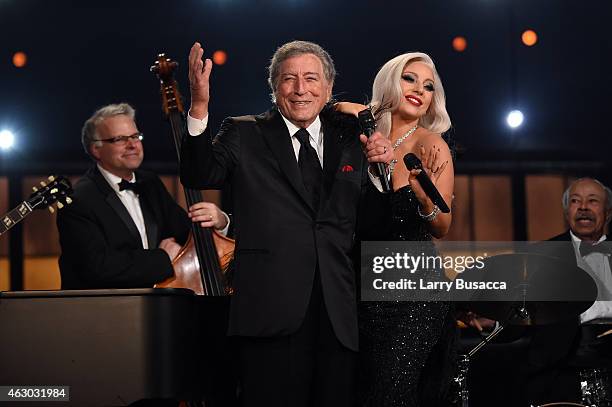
[[226, 228], [195, 127]]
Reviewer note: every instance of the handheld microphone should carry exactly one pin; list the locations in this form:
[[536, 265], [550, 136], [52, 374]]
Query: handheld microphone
[[413, 163], [368, 125]]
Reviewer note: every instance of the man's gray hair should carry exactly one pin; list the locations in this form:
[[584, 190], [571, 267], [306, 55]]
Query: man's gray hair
[[295, 48], [89, 133], [566, 194]]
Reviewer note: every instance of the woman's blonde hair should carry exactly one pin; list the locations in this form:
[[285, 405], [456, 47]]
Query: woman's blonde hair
[[387, 95]]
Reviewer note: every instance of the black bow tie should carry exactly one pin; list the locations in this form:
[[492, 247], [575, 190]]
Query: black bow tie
[[137, 187], [587, 248]]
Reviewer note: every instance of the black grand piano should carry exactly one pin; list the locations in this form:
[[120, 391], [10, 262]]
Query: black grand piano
[[112, 347]]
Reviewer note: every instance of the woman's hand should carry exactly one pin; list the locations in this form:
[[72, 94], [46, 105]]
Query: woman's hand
[[432, 163], [438, 166], [349, 108], [433, 167]]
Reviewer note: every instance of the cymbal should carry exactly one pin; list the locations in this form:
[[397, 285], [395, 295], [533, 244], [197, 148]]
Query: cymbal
[[540, 289]]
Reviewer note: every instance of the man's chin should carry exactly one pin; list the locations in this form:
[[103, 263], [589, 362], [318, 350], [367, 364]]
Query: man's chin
[[303, 120], [133, 164], [584, 232]]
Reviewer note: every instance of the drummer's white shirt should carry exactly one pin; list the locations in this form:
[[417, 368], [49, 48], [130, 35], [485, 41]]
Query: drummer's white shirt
[[598, 266]]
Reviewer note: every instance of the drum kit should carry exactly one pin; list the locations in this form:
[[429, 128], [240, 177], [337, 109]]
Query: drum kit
[[534, 292]]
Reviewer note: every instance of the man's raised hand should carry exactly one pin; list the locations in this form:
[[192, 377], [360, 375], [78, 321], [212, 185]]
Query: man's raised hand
[[199, 74]]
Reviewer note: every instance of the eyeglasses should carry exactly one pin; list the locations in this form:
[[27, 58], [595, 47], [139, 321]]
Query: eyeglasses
[[122, 140]]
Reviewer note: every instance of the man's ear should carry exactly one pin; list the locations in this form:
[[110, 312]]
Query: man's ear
[[93, 150], [330, 92]]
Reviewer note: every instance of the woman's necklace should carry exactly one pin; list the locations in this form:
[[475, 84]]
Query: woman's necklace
[[397, 144]]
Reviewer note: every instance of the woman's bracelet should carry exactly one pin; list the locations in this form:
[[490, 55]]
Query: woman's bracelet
[[430, 217]]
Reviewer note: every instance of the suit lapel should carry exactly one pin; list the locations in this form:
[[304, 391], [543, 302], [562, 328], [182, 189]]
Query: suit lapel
[[275, 133], [572, 256], [581, 262], [113, 200]]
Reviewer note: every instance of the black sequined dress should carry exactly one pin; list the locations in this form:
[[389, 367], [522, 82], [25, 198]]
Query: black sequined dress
[[405, 346]]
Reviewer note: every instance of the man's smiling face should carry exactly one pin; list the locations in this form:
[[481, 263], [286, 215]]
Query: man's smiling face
[[302, 89]]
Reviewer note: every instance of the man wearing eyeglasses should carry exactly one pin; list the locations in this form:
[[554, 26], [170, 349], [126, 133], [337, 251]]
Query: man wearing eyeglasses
[[123, 228]]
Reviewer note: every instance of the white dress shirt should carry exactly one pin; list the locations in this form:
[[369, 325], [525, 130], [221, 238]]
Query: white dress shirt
[[598, 267], [130, 200], [316, 137]]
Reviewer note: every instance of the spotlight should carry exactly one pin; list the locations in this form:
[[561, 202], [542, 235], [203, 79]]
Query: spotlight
[[515, 119], [529, 38], [20, 59], [7, 139], [219, 57], [459, 44]]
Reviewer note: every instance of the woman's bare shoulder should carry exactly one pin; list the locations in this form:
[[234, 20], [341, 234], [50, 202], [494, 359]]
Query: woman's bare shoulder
[[427, 137]]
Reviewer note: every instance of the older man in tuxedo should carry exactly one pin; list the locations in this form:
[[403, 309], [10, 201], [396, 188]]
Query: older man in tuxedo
[[123, 228], [297, 174], [556, 352]]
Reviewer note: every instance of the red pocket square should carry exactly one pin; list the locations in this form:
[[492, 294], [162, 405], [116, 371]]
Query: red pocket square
[[347, 168]]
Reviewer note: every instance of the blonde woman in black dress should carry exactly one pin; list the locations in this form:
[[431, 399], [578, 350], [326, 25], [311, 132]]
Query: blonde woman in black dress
[[406, 346]]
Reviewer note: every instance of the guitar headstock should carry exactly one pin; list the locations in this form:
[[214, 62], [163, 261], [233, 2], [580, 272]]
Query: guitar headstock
[[56, 190]]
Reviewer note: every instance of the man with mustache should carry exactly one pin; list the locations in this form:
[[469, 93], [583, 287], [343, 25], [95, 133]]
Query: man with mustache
[[556, 351]]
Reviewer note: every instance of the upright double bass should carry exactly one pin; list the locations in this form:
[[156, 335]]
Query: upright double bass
[[204, 264]]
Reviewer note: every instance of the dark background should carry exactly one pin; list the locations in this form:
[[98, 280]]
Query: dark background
[[84, 54]]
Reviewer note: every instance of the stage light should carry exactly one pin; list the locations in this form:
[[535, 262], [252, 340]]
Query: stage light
[[219, 57], [459, 44], [515, 118], [7, 139], [529, 38], [20, 59]]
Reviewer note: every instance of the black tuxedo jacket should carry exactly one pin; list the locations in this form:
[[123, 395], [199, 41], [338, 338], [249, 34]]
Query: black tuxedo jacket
[[101, 246], [280, 240]]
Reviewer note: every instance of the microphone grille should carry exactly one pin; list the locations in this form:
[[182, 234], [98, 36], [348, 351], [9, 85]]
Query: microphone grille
[[367, 122], [412, 161]]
